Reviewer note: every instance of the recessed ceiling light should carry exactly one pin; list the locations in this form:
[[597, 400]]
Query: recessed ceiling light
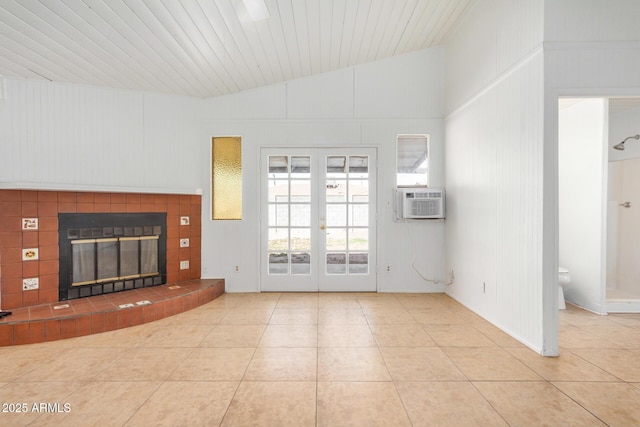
[[257, 9]]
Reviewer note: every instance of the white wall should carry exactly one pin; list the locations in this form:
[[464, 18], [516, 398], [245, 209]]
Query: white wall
[[365, 105], [62, 136], [582, 199], [494, 168]]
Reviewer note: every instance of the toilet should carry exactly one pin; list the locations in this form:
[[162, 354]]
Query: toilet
[[563, 279]]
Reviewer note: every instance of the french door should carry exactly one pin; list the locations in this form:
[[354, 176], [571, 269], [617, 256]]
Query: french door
[[318, 219]]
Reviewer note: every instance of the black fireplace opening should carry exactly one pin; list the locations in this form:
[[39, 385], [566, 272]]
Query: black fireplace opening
[[102, 253]]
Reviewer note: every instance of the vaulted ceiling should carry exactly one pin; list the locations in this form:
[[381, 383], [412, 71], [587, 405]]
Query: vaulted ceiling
[[207, 48]]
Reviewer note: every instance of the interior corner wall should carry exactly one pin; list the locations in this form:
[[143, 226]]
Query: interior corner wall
[[582, 200], [495, 168], [366, 105]]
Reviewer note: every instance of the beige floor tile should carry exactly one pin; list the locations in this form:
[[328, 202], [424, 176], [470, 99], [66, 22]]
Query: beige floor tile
[[144, 364], [624, 364], [294, 316], [213, 364], [622, 335], [420, 364], [401, 336], [490, 364], [17, 361], [283, 364], [360, 404], [189, 403], [496, 335], [418, 301], [525, 403], [197, 316], [290, 336], [351, 364], [80, 364], [435, 316], [447, 404], [571, 336], [234, 336], [345, 336], [226, 301], [385, 315], [387, 301], [127, 337], [566, 367], [341, 316], [331, 300], [636, 385], [458, 336], [628, 319], [617, 404], [273, 403], [247, 316], [102, 404], [298, 300], [178, 336], [21, 397], [259, 300]]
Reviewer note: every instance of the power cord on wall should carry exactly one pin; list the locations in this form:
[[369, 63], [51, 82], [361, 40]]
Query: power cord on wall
[[445, 282]]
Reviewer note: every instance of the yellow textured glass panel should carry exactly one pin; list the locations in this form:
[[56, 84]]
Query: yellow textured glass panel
[[226, 183]]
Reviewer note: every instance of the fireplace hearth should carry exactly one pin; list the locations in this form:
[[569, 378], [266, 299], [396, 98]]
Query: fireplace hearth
[[110, 252]]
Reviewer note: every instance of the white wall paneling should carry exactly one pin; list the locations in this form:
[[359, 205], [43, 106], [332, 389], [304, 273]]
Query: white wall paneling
[[65, 136], [494, 168]]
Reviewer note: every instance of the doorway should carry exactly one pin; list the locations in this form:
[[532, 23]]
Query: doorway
[[318, 219]]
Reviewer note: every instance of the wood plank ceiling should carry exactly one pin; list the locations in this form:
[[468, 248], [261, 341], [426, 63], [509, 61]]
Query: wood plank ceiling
[[207, 48]]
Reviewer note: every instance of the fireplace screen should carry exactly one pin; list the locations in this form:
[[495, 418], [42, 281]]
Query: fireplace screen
[[103, 260], [103, 253]]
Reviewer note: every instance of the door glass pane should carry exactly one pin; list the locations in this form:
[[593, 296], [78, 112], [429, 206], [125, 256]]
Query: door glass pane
[[279, 263], [278, 165], [359, 215], [300, 166], [336, 263], [336, 215], [301, 263], [301, 191], [336, 165], [336, 190], [301, 215], [358, 165], [278, 239], [336, 239], [358, 191], [358, 263], [358, 239], [300, 239], [278, 190], [278, 215]]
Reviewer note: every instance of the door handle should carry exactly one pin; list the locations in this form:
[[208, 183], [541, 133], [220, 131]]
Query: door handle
[[322, 227], [625, 204]]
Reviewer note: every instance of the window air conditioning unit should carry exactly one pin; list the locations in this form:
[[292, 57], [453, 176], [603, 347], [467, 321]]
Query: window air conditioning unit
[[420, 203]]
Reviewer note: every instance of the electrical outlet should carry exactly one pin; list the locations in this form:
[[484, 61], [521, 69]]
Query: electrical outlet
[[237, 268], [184, 265], [29, 284], [184, 243]]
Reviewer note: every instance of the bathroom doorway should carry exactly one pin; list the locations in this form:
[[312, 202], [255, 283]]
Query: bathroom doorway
[[599, 202], [623, 207]]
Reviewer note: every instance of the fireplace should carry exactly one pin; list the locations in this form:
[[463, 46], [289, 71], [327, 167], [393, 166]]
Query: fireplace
[[110, 252]]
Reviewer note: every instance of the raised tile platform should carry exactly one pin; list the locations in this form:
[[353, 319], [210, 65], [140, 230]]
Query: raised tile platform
[[101, 313]]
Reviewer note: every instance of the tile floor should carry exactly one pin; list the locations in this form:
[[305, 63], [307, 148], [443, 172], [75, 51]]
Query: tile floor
[[327, 360]]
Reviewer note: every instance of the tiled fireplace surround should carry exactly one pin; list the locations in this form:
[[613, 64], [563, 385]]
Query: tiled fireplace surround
[[15, 205]]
